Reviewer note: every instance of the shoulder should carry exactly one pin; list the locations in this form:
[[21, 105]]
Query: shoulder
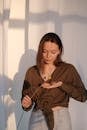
[[67, 66], [31, 72], [32, 69]]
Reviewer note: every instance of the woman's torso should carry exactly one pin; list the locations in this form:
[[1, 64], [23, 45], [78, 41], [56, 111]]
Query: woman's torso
[[55, 96]]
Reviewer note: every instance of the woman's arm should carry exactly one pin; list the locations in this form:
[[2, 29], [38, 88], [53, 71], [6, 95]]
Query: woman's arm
[[76, 88], [26, 101]]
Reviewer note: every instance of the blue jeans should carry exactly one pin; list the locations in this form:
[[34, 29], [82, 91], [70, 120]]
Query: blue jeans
[[62, 120]]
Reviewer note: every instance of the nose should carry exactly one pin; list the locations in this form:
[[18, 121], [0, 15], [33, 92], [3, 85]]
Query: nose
[[48, 54]]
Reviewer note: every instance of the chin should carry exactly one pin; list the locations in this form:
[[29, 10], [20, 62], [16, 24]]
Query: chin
[[48, 62]]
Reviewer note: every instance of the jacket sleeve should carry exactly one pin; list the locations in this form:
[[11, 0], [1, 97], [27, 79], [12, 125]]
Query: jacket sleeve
[[76, 88], [25, 91]]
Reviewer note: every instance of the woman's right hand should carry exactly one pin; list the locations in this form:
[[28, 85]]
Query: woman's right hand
[[26, 101]]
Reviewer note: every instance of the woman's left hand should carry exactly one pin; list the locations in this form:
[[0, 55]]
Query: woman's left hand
[[52, 85]]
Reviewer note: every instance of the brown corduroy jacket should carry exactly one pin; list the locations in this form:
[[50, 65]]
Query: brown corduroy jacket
[[48, 98]]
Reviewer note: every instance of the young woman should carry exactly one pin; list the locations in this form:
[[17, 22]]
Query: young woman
[[49, 85]]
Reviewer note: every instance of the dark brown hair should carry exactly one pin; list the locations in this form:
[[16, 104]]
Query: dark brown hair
[[54, 38]]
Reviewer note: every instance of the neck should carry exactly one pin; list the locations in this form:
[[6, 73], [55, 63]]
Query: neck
[[48, 67], [47, 71]]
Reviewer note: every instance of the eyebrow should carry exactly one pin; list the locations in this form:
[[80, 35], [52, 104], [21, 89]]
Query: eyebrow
[[50, 50]]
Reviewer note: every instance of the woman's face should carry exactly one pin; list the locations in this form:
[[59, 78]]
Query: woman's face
[[50, 52]]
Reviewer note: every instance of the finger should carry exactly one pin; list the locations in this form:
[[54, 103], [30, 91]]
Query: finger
[[26, 103], [27, 97]]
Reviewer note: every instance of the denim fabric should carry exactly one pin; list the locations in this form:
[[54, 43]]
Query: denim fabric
[[62, 120]]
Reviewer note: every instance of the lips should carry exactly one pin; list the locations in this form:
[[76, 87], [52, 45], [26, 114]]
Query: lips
[[47, 59]]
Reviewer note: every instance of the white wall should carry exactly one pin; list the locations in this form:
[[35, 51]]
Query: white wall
[[29, 20]]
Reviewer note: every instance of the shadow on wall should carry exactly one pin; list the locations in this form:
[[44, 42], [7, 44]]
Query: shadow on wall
[[10, 96], [5, 101], [28, 59]]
